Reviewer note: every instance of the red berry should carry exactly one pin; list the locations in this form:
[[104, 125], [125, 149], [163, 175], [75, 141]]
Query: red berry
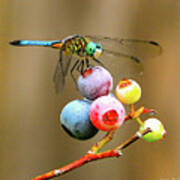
[[107, 113]]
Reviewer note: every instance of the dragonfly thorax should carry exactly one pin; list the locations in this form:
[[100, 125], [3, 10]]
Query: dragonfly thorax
[[75, 46]]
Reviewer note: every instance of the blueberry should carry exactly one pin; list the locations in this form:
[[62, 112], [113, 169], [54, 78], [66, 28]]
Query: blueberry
[[95, 82], [75, 120]]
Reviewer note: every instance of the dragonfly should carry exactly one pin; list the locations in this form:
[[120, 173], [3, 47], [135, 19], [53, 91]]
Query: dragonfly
[[85, 50]]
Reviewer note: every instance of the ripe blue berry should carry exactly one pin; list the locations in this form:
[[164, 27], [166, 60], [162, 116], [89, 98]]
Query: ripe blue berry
[[75, 120], [95, 82]]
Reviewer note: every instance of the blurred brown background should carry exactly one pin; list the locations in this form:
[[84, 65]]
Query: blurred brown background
[[31, 139]]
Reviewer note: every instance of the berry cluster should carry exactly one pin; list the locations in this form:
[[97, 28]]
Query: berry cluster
[[101, 110]]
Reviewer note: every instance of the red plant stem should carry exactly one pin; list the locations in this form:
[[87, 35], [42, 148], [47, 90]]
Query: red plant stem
[[96, 147], [116, 152], [85, 159], [136, 113]]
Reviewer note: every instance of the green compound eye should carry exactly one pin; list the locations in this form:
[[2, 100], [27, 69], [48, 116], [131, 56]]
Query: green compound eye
[[90, 48]]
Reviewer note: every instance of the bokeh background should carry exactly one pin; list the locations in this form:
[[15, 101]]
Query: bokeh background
[[32, 141]]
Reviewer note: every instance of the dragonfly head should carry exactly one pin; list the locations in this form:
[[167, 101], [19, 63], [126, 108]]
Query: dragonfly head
[[93, 49]]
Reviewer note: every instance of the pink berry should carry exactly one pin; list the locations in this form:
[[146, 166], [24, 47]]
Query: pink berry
[[95, 82], [107, 113]]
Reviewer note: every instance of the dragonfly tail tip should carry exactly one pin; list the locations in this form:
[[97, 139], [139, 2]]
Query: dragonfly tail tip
[[15, 43]]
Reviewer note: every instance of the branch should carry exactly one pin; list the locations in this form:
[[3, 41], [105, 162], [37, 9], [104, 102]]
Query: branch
[[92, 156], [96, 147], [136, 113]]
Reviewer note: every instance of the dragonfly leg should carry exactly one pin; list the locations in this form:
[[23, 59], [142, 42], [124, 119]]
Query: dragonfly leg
[[80, 67], [99, 62], [72, 70], [88, 65]]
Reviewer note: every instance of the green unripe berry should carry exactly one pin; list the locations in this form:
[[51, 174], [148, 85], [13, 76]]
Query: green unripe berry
[[157, 128]]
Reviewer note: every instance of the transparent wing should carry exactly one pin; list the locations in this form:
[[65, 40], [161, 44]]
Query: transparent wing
[[61, 71], [140, 49], [129, 54]]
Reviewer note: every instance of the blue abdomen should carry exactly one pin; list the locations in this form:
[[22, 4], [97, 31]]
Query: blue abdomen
[[33, 43]]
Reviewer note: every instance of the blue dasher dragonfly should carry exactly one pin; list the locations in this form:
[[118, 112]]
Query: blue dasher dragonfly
[[86, 48]]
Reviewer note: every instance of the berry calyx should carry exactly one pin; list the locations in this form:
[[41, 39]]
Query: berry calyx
[[110, 117], [87, 72]]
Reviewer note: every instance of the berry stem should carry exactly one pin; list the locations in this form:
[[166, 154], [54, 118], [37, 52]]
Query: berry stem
[[138, 112], [132, 139], [134, 114], [116, 152], [152, 111], [139, 120], [132, 109], [98, 146]]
